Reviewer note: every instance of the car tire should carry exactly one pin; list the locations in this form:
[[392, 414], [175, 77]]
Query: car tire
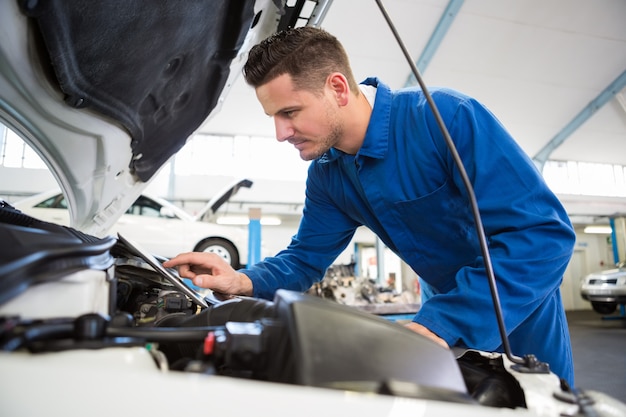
[[604, 308], [221, 247]]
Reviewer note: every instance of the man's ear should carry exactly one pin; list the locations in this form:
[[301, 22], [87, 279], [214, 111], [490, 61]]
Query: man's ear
[[338, 84]]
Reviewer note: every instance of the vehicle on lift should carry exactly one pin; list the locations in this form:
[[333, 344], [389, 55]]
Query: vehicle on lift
[[158, 225], [605, 289], [106, 93]]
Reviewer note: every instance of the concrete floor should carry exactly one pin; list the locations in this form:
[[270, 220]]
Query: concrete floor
[[599, 349]]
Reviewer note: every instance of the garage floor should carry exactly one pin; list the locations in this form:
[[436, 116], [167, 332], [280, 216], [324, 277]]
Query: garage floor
[[599, 348]]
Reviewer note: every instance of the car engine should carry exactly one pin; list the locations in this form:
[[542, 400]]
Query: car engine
[[86, 293]]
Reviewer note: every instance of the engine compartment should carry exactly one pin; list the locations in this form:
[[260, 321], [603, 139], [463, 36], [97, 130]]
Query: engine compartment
[[118, 299], [296, 339]]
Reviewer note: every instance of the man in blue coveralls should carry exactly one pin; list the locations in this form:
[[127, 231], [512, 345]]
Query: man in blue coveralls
[[380, 160]]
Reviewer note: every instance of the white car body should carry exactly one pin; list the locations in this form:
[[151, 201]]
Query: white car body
[[158, 225], [605, 289]]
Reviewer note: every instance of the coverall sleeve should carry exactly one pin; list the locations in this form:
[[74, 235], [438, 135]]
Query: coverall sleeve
[[324, 232]]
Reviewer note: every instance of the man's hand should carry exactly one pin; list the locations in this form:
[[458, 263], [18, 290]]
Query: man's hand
[[418, 328], [208, 270]]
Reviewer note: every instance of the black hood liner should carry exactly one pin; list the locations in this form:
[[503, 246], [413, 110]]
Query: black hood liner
[[156, 67]]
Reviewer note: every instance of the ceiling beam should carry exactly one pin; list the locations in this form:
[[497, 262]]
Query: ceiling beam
[[448, 16], [594, 105]]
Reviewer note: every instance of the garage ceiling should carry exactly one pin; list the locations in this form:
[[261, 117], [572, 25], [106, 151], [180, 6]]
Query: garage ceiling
[[552, 70]]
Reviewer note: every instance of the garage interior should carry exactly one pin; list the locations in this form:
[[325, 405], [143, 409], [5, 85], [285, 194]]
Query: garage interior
[[554, 73]]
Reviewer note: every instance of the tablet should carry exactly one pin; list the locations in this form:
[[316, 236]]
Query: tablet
[[169, 275]]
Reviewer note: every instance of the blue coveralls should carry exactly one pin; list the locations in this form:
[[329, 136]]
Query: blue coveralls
[[405, 187]]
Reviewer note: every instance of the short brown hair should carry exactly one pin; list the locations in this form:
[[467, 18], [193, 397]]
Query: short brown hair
[[306, 53]]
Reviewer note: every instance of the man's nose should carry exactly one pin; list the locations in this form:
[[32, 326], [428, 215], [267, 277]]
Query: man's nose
[[284, 130]]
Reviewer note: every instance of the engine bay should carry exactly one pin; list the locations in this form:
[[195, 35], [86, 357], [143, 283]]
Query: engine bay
[[90, 294]]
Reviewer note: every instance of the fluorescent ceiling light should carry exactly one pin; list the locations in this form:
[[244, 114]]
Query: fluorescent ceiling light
[[243, 220], [270, 221], [603, 230]]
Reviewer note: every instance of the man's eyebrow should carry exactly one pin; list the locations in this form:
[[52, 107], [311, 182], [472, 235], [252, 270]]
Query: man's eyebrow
[[286, 109]]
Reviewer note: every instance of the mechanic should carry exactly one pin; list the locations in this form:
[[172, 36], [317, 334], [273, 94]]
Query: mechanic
[[380, 160]]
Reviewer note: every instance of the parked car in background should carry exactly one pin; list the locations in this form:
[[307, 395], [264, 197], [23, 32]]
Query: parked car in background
[[605, 289], [158, 225]]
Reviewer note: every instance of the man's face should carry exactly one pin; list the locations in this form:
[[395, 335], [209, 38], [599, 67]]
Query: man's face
[[308, 121]]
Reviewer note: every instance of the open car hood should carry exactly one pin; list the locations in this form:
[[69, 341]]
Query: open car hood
[[107, 92], [207, 213]]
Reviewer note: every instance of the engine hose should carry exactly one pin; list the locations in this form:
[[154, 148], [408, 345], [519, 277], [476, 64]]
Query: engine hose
[[164, 334]]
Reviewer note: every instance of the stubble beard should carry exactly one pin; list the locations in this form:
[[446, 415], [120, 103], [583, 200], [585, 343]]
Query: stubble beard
[[330, 140], [324, 144]]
